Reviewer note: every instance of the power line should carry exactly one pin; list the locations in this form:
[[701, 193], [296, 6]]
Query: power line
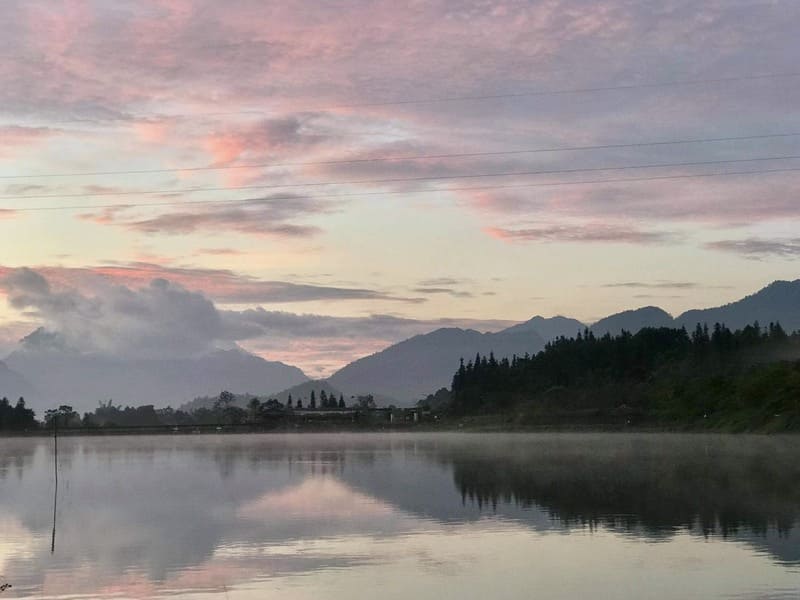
[[409, 157], [394, 192], [464, 98], [401, 179], [609, 88]]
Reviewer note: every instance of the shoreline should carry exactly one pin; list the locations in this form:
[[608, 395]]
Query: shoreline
[[467, 425]]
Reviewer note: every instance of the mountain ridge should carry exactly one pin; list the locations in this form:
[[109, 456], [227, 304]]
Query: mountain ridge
[[779, 301], [47, 374]]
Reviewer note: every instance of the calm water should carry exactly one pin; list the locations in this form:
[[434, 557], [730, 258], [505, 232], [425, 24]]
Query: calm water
[[403, 516]]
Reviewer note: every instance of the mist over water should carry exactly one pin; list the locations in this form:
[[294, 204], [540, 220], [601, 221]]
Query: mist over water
[[403, 516]]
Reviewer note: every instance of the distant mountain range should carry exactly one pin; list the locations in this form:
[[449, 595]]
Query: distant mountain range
[[84, 380], [420, 365], [401, 373]]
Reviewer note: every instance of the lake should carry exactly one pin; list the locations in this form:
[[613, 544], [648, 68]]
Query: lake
[[402, 516]]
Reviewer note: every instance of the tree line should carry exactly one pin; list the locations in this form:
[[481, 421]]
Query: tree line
[[226, 409], [746, 375], [16, 417]]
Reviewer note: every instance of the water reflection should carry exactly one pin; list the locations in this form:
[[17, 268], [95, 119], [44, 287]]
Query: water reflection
[[323, 516]]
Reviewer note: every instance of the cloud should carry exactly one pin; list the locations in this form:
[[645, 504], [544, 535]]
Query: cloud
[[204, 83], [106, 216], [277, 136], [441, 290], [12, 137], [220, 251], [268, 63], [442, 281], [758, 248], [659, 285], [655, 297], [162, 318], [386, 327], [600, 233], [221, 285], [321, 344], [267, 216]]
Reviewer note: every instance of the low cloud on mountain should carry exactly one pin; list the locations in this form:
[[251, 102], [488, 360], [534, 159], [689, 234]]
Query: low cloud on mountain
[[160, 318]]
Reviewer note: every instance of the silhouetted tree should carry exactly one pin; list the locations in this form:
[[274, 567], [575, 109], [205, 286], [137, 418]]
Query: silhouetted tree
[[224, 400], [254, 408], [365, 402]]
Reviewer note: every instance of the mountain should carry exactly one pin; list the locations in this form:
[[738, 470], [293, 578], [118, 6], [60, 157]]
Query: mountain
[[633, 321], [549, 328], [401, 373], [779, 301], [422, 364], [83, 380], [13, 385]]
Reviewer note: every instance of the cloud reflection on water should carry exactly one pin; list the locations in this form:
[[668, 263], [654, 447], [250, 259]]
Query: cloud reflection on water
[[241, 515]]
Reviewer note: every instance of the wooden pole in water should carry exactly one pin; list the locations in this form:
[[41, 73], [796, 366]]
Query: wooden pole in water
[[55, 490]]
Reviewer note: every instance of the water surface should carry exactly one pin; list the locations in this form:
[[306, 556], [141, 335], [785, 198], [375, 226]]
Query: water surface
[[403, 516]]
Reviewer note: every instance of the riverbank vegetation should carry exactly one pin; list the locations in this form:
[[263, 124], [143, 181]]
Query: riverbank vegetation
[[736, 380], [227, 409]]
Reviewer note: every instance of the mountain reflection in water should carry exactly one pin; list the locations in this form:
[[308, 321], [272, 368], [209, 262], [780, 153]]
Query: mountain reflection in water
[[337, 515]]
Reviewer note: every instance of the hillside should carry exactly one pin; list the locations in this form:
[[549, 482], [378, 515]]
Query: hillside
[[411, 369], [633, 321], [14, 385], [548, 328], [778, 302]]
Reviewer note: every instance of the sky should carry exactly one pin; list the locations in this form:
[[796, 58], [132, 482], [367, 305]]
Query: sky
[[315, 181]]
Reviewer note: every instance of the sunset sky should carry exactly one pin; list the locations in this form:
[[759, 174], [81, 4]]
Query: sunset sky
[[317, 180]]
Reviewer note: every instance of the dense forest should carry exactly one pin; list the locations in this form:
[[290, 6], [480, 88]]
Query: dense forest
[[747, 378]]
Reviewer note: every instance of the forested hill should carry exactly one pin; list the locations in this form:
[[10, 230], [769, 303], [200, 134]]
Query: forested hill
[[747, 378]]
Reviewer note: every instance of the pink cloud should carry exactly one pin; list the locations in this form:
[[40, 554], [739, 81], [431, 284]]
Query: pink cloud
[[221, 285], [273, 216], [592, 233], [13, 137], [315, 498], [153, 132]]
